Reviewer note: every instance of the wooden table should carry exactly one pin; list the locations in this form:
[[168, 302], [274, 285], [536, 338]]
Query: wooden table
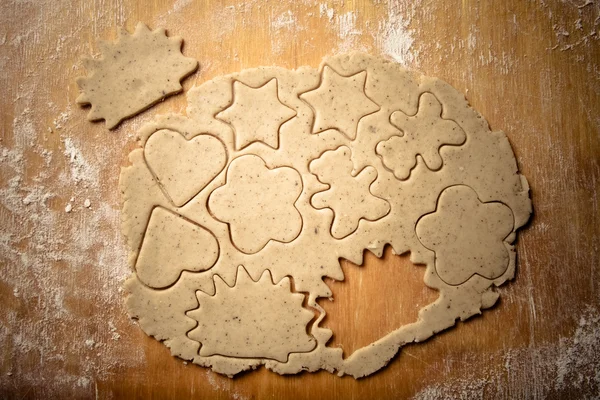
[[531, 67]]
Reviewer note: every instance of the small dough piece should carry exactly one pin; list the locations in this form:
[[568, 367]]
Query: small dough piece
[[467, 236], [258, 203], [252, 319], [340, 102], [256, 114], [184, 167], [171, 245], [134, 73]]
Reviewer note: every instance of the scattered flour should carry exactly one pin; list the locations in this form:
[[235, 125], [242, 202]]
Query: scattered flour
[[566, 370], [285, 20], [394, 37], [63, 269], [81, 170], [324, 10]]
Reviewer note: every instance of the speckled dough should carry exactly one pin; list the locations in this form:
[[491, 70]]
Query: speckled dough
[[303, 168], [135, 72]]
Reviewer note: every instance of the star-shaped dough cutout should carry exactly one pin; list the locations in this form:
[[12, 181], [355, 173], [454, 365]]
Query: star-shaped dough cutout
[[256, 114], [340, 102]]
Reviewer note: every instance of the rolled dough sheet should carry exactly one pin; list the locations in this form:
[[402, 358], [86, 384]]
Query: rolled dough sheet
[[236, 212]]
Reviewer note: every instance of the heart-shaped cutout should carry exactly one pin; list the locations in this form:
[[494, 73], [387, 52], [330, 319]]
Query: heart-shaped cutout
[[184, 167]]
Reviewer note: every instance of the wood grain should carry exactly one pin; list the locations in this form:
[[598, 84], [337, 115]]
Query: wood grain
[[532, 68]]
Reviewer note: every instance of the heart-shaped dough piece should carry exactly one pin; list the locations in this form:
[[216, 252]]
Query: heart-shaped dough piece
[[173, 244], [184, 167]]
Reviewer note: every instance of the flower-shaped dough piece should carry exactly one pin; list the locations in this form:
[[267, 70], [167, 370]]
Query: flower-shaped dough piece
[[340, 102], [256, 114], [466, 235], [424, 134], [252, 319], [133, 73], [349, 196], [258, 203]]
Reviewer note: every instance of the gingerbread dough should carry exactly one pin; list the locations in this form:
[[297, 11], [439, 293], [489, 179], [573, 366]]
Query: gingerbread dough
[[276, 174]]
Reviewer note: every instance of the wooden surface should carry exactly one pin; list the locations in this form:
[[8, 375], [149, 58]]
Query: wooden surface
[[532, 68]]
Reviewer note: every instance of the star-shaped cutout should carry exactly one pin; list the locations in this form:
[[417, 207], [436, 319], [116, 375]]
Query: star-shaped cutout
[[340, 102], [256, 114]]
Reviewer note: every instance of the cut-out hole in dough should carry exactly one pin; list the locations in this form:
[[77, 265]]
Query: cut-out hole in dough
[[355, 305]]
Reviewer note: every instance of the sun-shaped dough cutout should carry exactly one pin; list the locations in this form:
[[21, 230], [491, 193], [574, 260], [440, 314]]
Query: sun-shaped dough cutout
[[135, 72], [277, 329]]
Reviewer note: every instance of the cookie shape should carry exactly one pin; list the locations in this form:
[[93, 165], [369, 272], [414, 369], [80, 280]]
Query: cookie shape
[[258, 203], [424, 134], [184, 167], [256, 114], [467, 236], [134, 73], [242, 210], [349, 196], [339, 95], [171, 245], [252, 319]]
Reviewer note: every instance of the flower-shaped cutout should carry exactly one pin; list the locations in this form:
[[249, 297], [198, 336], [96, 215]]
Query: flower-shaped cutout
[[467, 236], [256, 114], [337, 96], [260, 319], [349, 196], [258, 203], [424, 134], [133, 73]]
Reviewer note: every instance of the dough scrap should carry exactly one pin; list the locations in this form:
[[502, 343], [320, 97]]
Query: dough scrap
[[288, 213], [134, 73]]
